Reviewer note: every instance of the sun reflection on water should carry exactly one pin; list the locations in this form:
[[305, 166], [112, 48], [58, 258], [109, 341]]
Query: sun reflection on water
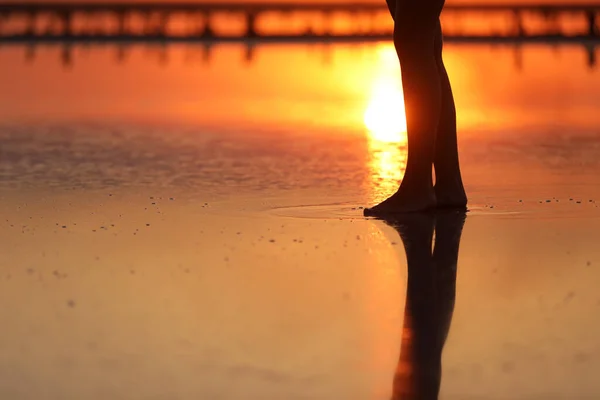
[[385, 121]]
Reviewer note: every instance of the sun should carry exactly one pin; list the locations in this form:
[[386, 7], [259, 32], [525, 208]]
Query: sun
[[385, 123], [385, 117]]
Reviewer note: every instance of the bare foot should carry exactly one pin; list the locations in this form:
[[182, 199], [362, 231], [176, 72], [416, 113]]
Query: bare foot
[[404, 201]]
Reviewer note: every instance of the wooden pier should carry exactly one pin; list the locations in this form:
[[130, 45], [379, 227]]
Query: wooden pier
[[54, 21], [71, 23]]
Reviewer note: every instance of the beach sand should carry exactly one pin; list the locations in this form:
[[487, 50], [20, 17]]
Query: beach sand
[[163, 238], [235, 267]]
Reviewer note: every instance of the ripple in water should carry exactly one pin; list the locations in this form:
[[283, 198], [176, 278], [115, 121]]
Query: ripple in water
[[320, 211]]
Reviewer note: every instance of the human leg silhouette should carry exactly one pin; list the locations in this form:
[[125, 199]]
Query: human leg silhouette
[[392, 7], [449, 189], [415, 29], [430, 113]]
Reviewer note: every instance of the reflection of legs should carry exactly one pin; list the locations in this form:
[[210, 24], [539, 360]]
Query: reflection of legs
[[429, 300], [416, 24], [417, 375], [448, 231], [449, 188]]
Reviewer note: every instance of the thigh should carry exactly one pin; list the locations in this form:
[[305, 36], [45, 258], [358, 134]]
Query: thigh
[[419, 13], [439, 40], [392, 7]]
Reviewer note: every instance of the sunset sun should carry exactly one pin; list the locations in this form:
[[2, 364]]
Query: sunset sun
[[384, 117], [385, 123]]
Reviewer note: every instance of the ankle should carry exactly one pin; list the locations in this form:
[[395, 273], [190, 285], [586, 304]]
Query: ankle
[[449, 181]]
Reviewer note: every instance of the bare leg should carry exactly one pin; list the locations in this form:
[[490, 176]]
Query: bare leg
[[449, 189], [392, 6], [415, 30]]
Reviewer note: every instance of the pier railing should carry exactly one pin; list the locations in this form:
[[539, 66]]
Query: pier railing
[[156, 18], [69, 23]]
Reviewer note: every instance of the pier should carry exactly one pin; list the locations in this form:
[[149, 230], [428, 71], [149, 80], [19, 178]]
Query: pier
[[126, 23], [55, 21]]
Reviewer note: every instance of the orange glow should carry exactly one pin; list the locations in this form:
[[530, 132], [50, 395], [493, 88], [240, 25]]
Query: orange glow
[[385, 117], [385, 121]]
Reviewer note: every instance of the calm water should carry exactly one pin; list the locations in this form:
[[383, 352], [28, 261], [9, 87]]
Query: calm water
[[176, 229], [334, 114]]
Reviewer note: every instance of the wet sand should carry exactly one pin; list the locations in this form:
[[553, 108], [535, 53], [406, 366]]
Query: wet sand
[[177, 287], [227, 258]]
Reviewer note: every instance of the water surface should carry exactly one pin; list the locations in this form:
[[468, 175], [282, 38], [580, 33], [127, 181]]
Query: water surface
[[176, 229]]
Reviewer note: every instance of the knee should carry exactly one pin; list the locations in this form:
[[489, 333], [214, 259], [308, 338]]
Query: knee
[[411, 40]]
